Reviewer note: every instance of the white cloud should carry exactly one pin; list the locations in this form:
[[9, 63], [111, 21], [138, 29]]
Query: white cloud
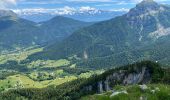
[[121, 10], [63, 11], [39, 2], [52, 11], [137, 1], [89, 0], [116, 1], [87, 8], [7, 3]]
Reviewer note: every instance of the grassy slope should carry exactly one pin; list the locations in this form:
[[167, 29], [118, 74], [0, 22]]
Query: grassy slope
[[38, 78], [162, 92], [19, 55], [22, 81], [49, 63]]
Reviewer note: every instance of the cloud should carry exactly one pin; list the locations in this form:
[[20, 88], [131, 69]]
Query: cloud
[[39, 2], [120, 10], [64, 11], [137, 1], [51, 11], [69, 2], [89, 0], [7, 3], [116, 1]]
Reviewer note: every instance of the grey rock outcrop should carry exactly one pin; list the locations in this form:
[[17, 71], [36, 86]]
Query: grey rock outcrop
[[122, 77]]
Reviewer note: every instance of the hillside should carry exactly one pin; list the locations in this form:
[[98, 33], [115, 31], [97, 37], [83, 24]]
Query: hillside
[[135, 36], [17, 33], [145, 72], [59, 28], [134, 92], [126, 57]]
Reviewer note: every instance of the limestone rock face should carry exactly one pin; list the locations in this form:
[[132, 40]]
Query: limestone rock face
[[140, 75], [100, 87]]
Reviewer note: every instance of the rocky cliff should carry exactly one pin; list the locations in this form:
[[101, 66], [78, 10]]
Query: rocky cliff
[[139, 73]]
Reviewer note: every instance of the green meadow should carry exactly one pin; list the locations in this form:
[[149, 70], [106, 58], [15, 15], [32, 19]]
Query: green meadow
[[134, 92]]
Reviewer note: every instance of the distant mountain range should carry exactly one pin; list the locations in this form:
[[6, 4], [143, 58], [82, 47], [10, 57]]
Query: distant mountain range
[[4, 13], [86, 14], [18, 32], [141, 34]]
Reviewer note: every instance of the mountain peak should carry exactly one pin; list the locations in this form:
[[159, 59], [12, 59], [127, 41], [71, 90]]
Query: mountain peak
[[145, 2], [146, 7], [62, 19], [148, 3]]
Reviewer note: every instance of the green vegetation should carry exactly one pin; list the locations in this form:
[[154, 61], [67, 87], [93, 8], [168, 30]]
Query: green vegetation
[[21, 81], [19, 55], [74, 68], [77, 88], [49, 63], [15, 73], [134, 92], [16, 32], [6, 73], [91, 73], [116, 42]]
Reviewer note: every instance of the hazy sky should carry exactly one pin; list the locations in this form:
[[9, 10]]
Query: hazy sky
[[51, 4]]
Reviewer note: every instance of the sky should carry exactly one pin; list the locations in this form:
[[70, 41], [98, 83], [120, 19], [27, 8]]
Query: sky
[[118, 5]]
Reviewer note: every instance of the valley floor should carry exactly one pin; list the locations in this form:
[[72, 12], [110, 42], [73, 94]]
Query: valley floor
[[23, 81], [36, 74]]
